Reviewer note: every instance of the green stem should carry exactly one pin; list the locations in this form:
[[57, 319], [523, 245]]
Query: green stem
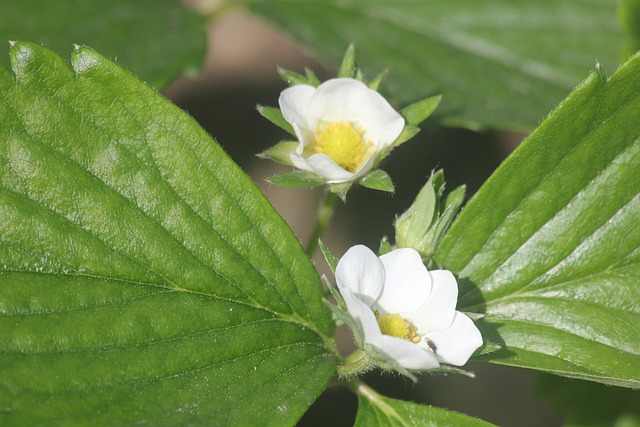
[[325, 213], [354, 364]]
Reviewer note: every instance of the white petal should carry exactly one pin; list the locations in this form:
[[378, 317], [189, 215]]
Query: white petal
[[360, 271], [293, 103], [324, 166], [408, 354], [362, 313], [341, 100], [327, 168], [437, 312], [300, 162], [456, 344], [407, 283], [365, 167]]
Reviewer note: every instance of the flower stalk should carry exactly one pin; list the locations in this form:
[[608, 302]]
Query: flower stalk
[[327, 205]]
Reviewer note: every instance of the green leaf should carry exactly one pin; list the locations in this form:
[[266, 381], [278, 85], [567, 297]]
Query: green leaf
[[629, 16], [378, 180], [418, 112], [376, 410], [549, 247], [296, 179], [280, 152], [156, 40], [144, 279], [274, 115], [498, 63]]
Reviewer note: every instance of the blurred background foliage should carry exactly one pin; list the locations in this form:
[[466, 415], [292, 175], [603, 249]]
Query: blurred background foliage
[[501, 65]]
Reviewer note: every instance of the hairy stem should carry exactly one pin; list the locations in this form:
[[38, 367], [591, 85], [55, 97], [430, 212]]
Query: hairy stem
[[325, 213]]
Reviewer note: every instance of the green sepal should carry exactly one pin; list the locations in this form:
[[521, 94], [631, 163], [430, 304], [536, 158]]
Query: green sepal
[[339, 310], [452, 206], [340, 315], [348, 67], [341, 189], [416, 113], [330, 258], [296, 179], [385, 246], [311, 78], [378, 180], [274, 115], [407, 133], [377, 81], [449, 369], [280, 153], [292, 78], [424, 224], [413, 225]]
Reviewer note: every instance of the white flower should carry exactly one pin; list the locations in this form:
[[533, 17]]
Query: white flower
[[407, 314], [341, 125]]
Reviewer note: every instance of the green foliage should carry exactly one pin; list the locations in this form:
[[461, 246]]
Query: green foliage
[[155, 39], [376, 410], [144, 279], [500, 63], [549, 247]]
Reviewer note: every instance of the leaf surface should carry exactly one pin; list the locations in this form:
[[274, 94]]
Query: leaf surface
[[155, 39], [484, 57], [376, 410], [143, 276], [549, 247]]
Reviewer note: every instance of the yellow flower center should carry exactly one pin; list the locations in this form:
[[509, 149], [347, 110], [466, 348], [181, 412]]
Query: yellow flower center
[[343, 143], [397, 326]]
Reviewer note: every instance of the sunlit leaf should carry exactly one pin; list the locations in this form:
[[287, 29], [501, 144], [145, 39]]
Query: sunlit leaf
[[498, 63], [144, 279], [549, 247]]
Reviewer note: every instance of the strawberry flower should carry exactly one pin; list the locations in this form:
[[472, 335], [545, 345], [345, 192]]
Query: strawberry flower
[[343, 127], [404, 314]]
